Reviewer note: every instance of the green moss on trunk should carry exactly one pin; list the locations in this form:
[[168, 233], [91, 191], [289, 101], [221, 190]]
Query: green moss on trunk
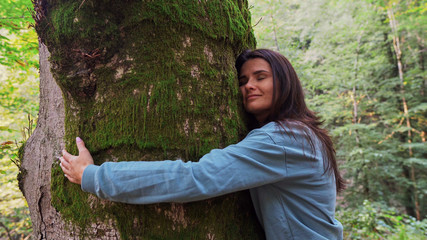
[[149, 80]]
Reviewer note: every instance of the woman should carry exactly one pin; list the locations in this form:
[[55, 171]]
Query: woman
[[287, 161]]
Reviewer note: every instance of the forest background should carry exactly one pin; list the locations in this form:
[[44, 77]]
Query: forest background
[[362, 64]]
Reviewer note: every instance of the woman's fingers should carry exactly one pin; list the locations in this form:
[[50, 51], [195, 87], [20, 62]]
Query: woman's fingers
[[66, 168], [71, 179], [64, 164], [80, 145], [67, 156]]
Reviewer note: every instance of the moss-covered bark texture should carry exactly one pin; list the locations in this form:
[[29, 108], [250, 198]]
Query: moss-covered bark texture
[[149, 80]]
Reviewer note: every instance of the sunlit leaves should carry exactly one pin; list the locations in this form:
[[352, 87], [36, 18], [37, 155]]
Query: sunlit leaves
[[18, 100], [18, 41]]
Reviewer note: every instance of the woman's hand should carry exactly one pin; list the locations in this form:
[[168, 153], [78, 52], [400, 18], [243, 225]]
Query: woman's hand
[[73, 166]]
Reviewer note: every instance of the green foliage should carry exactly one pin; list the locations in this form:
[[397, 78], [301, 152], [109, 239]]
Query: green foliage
[[14, 212], [375, 220], [18, 102], [18, 42], [344, 55]]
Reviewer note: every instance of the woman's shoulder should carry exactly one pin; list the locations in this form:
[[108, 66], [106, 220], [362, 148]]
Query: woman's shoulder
[[284, 127], [286, 131], [270, 131]]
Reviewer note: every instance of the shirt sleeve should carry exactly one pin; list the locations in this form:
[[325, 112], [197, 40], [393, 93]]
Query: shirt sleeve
[[253, 162]]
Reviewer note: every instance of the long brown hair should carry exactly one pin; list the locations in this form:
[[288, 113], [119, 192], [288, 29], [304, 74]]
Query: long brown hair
[[289, 105]]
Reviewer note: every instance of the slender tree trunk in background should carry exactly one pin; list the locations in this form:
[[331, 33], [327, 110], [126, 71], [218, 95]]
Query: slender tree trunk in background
[[398, 53], [421, 60], [273, 22], [353, 96], [137, 80], [355, 116], [421, 50]]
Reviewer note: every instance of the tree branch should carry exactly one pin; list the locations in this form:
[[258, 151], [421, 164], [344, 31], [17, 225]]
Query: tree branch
[[7, 230]]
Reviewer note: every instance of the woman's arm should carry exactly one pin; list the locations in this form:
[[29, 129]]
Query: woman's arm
[[253, 162]]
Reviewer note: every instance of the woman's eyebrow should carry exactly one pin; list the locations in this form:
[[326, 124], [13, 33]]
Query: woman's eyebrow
[[260, 71], [256, 72], [241, 76]]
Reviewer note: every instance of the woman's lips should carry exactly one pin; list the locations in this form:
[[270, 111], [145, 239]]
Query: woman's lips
[[252, 96]]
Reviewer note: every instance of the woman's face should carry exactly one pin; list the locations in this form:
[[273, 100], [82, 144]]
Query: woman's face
[[256, 85]]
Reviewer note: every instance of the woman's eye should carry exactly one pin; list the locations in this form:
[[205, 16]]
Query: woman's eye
[[260, 78], [242, 82]]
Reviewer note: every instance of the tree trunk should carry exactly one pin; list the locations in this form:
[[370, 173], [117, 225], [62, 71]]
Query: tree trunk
[[137, 80], [273, 22], [354, 94], [396, 45]]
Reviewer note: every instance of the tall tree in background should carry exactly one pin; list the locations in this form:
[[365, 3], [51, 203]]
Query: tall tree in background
[[137, 80], [412, 162]]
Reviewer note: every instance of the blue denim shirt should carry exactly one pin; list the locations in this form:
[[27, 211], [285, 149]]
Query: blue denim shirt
[[293, 196]]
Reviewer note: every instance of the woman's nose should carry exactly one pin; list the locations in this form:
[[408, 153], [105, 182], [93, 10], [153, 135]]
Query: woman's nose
[[250, 84]]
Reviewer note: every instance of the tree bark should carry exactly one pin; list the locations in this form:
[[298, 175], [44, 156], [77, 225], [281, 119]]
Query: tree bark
[[40, 154], [137, 80]]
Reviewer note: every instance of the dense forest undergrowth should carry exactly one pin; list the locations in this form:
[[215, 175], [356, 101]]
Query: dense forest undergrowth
[[362, 64]]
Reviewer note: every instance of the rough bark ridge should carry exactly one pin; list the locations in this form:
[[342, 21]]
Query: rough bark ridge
[[140, 80]]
